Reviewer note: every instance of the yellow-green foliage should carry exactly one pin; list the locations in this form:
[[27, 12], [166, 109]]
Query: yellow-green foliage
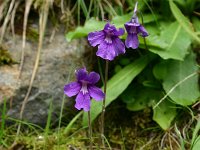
[[32, 34], [5, 57]]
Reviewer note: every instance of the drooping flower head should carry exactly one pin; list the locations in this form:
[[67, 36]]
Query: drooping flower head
[[133, 28], [109, 44], [84, 88]]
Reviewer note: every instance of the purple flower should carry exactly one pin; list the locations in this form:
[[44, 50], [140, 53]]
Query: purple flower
[[109, 44], [84, 88], [133, 28]]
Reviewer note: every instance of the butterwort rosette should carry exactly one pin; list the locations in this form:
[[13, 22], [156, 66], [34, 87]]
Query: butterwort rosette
[[134, 28], [109, 44], [84, 88]]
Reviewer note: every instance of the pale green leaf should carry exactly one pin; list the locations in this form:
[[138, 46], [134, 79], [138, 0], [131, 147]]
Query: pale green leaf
[[164, 114], [196, 145], [195, 132], [160, 70], [173, 40], [196, 24], [186, 89], [81, 31]]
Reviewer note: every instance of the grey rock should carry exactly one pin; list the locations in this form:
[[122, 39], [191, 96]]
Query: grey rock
[[58, 61]]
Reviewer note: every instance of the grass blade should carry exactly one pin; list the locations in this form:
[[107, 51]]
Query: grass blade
[[46, 131], [3, 118], [84, 8], [195, 132]]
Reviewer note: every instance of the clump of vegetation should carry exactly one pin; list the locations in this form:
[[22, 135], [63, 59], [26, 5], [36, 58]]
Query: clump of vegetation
[[163, 74], [134, 130], [5, 57]]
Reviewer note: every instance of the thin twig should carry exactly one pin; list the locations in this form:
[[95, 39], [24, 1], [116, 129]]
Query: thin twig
[[27, 10], [148, 143], [42, 25], [12, 21], [6, 20], [170, 142], [162, 140], [2, 8], [174, 139], [62, 6]]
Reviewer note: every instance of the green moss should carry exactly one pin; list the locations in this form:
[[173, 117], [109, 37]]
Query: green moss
[[32, 34], [5, 57]]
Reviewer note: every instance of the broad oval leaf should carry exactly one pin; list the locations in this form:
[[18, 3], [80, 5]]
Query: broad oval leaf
[[174, 42], [181, 82]]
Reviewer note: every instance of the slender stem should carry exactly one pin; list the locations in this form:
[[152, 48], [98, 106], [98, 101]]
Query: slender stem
[[90, 130], [104, 104]]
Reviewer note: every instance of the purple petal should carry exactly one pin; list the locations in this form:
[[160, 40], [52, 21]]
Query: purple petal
[[132, 41], [133, 23], [81, 74], [96, 93], [143, 31], [93, 77], [106, 51], [109, 27], [119, 32], [131, 29], [72, 89], [118, 46], [96, 38], [83, 101]]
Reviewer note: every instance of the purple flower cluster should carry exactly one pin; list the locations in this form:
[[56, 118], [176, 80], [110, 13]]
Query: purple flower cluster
[[109, 44], [84, 88]]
